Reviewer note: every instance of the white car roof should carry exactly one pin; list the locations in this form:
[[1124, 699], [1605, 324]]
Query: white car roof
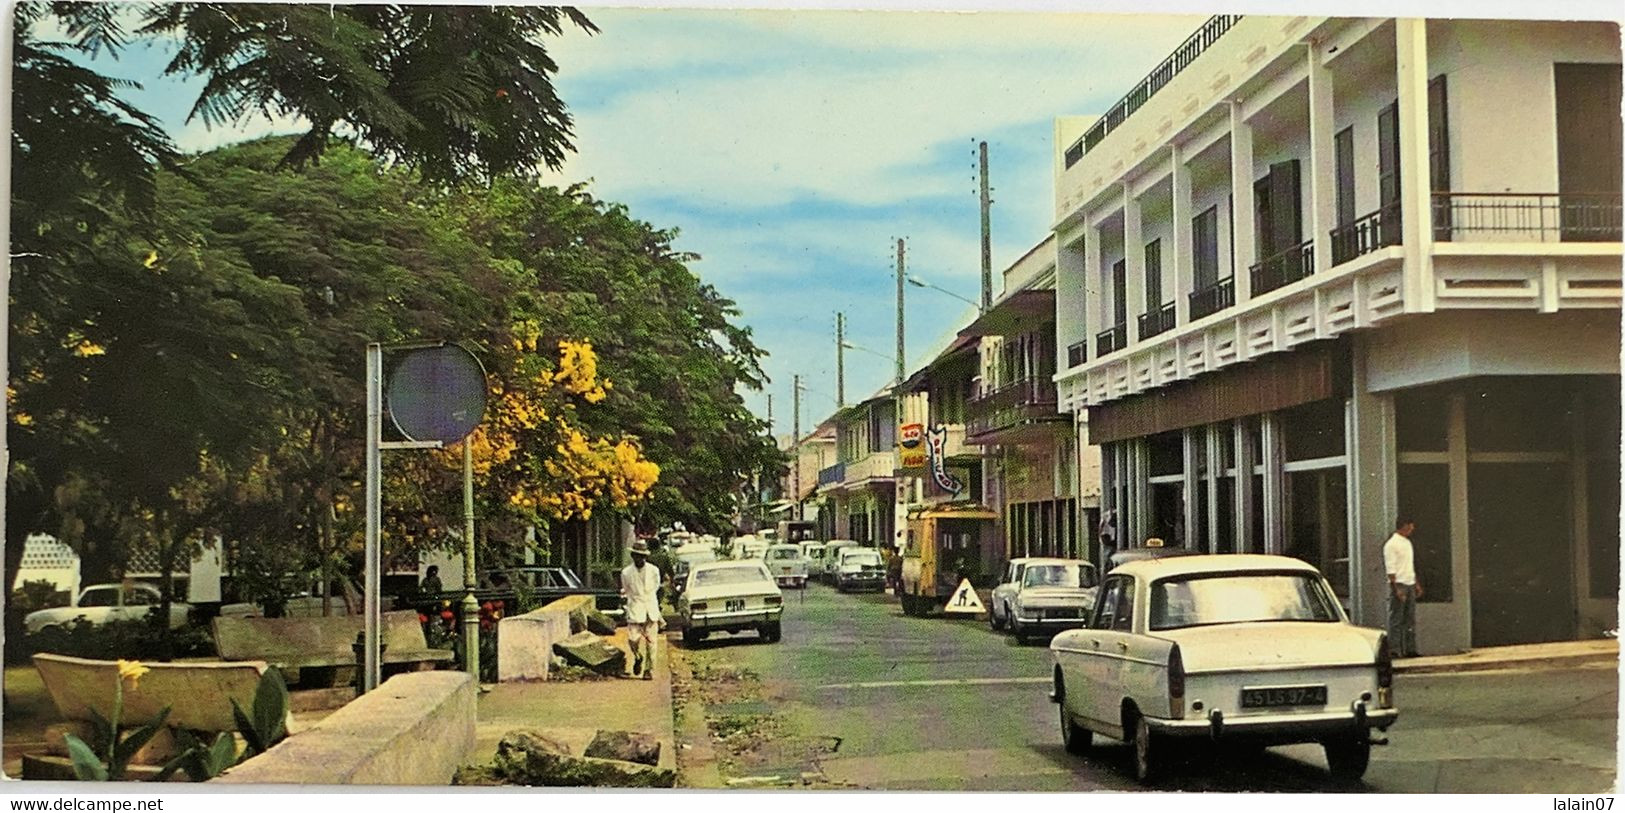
[[785, 546], [724, 564], [1051, 560], [1213, 563]]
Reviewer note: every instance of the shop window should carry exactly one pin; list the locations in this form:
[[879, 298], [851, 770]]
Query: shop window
[[1224, 535], [1424, 497], [1317, 523], [1257, 514], [1167, 514], [1602, 486], [1313, 430], [1421, 420], [1167, 452], [1519, 415]]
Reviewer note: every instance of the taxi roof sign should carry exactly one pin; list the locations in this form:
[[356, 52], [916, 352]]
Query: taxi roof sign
[[1154, 542]]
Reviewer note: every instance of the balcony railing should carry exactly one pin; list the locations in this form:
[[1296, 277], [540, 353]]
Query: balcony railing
[[1025, 401], [1213, 298], [1075, 354], [1114, 338], [1179, 60], [1379, 229], [832, 475], [1284, 267], [1158, 321], [1526, 217]]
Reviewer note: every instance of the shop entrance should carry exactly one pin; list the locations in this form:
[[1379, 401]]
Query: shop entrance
[[1520, 553]]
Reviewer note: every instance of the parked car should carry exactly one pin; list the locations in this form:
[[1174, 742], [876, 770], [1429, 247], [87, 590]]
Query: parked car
[[1051, 595], [542, 583], [1236, 648], [750, 547], [832, 557], [787, 565], [730, 596], [685, 556], [102, 603], [1004, 594], [813, 554], [860, 569], [1141, 554]]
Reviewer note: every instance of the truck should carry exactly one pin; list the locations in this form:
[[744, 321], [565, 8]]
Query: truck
[[944, 545]]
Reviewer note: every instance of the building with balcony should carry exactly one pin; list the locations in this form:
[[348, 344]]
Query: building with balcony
[[935, 401], [858, 489], [1314, 274], [811, 455], [1033, 469]]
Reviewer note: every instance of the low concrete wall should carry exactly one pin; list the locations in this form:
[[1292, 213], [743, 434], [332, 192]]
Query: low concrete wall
[[198, 695], [415, 729], [525, 642]]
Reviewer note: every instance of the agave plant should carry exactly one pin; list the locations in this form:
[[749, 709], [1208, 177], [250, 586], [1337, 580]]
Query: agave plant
[[111, 755]]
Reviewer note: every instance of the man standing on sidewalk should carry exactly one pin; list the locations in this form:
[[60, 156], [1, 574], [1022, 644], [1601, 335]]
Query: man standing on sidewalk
[[1403, 589], [640, 589]]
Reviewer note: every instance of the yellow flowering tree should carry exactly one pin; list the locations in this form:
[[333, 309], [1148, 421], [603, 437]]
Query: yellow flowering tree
[[535, 463]]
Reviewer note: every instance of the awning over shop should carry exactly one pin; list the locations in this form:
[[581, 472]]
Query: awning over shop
[[1017, 313]]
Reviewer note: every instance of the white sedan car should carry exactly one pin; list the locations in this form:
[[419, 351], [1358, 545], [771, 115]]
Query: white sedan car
[[730, 596], [787, 565], [1235, 648], [1051, 595], [102, 603]]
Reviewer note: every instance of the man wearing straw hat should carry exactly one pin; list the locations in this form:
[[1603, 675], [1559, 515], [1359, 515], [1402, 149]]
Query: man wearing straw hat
[[640, 589]]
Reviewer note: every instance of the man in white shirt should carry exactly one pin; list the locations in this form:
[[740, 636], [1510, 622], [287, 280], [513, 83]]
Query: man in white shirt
[[640, 589], [1399, 557]]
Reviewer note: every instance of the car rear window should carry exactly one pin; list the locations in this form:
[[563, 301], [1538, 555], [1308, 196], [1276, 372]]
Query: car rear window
[[784, 553], [1079, 575], [730, 575], [1237, 598], [862, 557]]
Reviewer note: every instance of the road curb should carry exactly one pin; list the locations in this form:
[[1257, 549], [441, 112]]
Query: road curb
[[1457, 664], [698, 766]]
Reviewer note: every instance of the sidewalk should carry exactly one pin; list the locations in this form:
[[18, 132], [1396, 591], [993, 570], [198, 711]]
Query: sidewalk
[[1526, 656], [572, 712]]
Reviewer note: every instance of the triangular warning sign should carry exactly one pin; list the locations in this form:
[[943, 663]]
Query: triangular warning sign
[[964, 600]]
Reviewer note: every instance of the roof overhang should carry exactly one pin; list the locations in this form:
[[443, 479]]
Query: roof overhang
[[1017, 313]]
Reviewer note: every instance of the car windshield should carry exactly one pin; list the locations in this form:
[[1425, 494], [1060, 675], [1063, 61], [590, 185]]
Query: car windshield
[[1231, 598], [1079, 575], [729, 575], [784, 553], [861, 557]]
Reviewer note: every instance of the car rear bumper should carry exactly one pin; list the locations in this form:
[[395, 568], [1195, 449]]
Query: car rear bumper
[[1053, 624], [739, 620], [1280, 728]]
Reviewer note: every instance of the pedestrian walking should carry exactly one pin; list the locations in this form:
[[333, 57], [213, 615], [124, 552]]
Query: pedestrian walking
[[640, 590], [1399, 557]]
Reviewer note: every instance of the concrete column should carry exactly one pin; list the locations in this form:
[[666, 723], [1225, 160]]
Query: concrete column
[[1245, 543], [1188, 491], [1180, 250], [1214, 471], [1092, 288], [1322, 159], [1274, 484], [1373, 472], [1142, 484], [1070, 280], [1241, 191], [1415, 195], [1134, 259]]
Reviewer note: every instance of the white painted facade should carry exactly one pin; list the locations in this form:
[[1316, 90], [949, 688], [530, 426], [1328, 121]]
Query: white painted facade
[[1484, 289]]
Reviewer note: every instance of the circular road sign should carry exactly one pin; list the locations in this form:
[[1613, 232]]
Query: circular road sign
[[437, 393]]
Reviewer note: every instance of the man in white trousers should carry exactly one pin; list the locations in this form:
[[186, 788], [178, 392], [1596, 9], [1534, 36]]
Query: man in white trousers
[[640, 590]]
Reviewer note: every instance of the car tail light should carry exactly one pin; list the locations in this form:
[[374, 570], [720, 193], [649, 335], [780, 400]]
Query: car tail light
[[775, 600], [1176, 684], [697, 606], [1385, 673]]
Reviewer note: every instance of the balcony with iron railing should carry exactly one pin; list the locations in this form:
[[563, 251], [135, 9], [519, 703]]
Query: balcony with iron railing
[[1569, 217], [832, 475], [1283, 267], [1379, 229], [1111, 339], [1179, 60], [1076, 353], [1158, 321], [1000, 415], [1213, 298]]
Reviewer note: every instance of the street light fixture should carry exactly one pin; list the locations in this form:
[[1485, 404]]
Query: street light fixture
[[851, 346], [920, 283]]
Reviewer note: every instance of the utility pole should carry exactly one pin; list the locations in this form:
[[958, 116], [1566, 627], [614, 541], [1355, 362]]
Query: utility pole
[[772, 437], [840, 360], [900, 275], [987, 234], [795, 440]]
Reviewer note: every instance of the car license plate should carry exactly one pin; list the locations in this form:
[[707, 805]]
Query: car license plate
[[734, 605], [1279, 696]]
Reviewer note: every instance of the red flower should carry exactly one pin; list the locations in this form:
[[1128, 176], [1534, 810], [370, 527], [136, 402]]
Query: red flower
[[447, 614], [486, 606], [423, 619]]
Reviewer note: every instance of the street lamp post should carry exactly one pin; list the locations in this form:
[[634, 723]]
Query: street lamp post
[[920, 283]]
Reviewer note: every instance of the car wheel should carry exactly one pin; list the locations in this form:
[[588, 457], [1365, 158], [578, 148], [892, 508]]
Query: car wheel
[[772, 632], [1148, 754], [1076, 738], [993, 619], [691, 636], [1348, 758], [1016, 630]]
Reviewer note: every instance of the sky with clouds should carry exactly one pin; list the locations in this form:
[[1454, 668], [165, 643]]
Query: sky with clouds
[[791, 148]]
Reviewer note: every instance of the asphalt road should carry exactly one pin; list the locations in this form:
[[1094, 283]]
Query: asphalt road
[[929, 704]]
